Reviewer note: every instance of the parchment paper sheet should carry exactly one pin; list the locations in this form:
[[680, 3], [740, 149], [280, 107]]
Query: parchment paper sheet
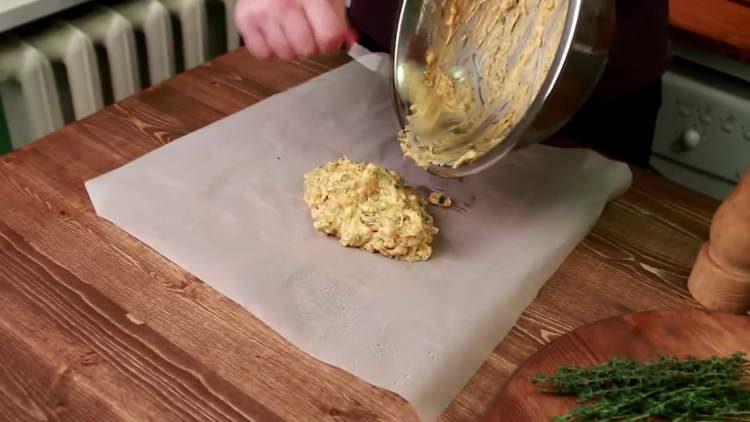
[[225, 203]]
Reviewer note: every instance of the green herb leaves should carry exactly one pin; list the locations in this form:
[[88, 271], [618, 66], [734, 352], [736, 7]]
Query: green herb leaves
[[715, 389]]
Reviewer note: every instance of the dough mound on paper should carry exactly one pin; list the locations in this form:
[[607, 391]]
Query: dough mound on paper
[[371, 208]]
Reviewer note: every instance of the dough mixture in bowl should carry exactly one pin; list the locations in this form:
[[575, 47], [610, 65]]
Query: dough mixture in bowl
[[371, 208], [486, 64]]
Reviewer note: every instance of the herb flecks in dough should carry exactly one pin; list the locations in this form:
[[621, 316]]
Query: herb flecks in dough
[[440, 199], [371, 208]]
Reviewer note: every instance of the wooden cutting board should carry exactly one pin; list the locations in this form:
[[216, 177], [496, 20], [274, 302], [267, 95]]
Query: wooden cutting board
[[641, 336]]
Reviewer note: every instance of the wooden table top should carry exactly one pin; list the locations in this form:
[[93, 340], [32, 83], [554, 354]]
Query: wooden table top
[[94, 325], [726, 22]]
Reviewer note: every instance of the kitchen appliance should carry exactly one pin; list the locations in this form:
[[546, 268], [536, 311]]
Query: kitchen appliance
[[702, 138], [578, 63]]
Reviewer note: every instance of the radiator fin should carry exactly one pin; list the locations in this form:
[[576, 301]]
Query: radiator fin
[[68, 66]]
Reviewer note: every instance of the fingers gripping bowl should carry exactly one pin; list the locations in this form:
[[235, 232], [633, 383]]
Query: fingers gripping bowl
[[474, 79]]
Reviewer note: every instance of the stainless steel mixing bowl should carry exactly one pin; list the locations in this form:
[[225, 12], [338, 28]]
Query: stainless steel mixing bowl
[[580, 59]]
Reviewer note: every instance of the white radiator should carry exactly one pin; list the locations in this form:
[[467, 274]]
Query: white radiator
[[72, 64]]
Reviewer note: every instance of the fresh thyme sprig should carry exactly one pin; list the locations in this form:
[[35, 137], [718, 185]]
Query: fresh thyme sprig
[[689, 390]]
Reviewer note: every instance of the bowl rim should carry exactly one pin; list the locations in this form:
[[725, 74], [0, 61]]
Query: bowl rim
[[517, 133]]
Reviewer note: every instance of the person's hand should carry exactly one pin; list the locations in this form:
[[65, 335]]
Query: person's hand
[[291, 28]]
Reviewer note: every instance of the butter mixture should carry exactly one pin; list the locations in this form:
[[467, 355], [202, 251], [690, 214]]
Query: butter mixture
[[486, 64], [440, 199], [371, 208]]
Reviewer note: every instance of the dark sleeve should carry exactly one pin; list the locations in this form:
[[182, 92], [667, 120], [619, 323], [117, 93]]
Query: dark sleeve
[[375, 20], [639, 55], [640, 51]]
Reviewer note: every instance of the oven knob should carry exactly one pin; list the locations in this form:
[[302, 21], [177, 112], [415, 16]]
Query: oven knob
[[691, 139]]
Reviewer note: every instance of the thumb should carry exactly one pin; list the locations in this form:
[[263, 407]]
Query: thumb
[[351, 37]]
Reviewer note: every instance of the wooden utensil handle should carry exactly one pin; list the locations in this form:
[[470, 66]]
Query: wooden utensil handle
[[720, 279]]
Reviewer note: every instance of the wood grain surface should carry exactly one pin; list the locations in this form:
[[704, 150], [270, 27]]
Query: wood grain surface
[[641, 336], [724, 21], [94, 325]]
